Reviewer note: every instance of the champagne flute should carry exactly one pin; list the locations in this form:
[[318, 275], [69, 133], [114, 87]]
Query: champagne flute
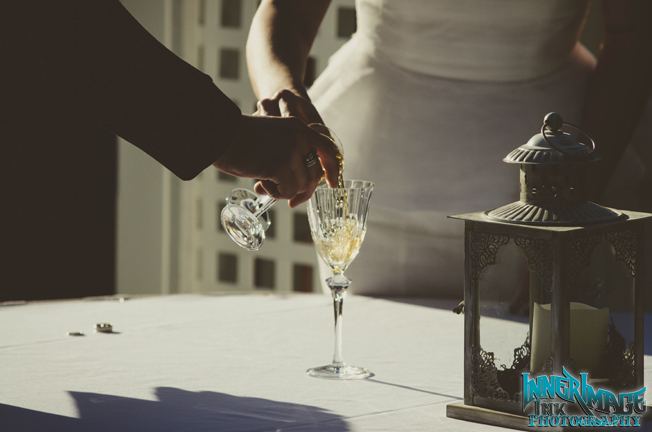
[[338, 223], [245, 217]]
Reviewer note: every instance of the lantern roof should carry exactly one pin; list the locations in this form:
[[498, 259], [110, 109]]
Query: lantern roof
[[553, 146], [579, 214], [483, 216], [553, 181]]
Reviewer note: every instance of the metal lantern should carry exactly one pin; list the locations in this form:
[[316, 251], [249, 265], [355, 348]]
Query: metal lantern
[[552, 282]]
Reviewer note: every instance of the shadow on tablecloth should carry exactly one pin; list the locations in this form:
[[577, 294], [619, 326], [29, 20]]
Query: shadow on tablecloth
[[176, 411]]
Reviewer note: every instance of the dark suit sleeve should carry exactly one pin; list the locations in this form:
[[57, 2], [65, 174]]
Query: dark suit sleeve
[[95, 54]]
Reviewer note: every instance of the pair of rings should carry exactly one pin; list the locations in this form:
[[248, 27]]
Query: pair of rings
[[103, 328], [312, 158]]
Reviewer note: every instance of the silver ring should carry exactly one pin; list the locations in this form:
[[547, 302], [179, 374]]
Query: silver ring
[[103, 328], [312, 158]]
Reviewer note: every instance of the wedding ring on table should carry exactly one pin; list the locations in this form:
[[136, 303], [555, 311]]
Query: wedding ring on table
[[103, 328], [312, 158]]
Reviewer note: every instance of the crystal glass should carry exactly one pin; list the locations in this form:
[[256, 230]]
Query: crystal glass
[[338, 223], [245, 217]]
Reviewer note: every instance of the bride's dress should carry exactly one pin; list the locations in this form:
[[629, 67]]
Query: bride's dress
[[428, 97]]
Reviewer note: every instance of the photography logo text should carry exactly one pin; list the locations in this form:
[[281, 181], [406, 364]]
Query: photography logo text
[[556, 397]]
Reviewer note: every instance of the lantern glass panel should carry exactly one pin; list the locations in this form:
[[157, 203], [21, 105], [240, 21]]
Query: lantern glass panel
[[602, 323], [503, 293]]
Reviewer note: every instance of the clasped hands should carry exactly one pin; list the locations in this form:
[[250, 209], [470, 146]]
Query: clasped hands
[[272, 145]]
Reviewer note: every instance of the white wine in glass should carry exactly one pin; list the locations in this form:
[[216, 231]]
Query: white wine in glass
[[338, 223]]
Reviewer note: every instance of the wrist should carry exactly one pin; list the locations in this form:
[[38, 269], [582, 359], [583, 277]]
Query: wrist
[[297, 89], [239, 137]]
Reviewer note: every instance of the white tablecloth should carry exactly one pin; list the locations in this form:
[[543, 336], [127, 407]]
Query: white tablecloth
[[229, 363]]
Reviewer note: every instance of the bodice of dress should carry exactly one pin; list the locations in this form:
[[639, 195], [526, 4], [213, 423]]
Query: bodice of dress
[[481, 40]]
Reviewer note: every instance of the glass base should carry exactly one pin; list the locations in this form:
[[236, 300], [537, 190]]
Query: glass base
[[339, 372], [243, 227]]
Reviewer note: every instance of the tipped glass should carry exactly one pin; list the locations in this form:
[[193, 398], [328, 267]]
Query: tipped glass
[[338, 223], [245, 217]]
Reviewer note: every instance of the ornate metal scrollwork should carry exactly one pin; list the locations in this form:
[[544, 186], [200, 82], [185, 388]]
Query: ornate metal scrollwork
[[538, 253], [483, 248], [504, 384], [620, 360], [624, 244], [485, 376], [581, 249]]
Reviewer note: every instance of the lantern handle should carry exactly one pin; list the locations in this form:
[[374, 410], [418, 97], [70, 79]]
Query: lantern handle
[[554, 122]]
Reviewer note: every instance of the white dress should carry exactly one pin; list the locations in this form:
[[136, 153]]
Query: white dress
[[428, 97]]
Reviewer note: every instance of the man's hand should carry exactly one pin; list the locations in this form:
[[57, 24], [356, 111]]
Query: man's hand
[[274, 149]]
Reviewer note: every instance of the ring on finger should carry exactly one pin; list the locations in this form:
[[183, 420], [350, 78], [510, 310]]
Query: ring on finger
[[312, 158]]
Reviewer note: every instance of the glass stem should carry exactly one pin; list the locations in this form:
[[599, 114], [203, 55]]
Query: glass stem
[[266, 205], [338, 285]]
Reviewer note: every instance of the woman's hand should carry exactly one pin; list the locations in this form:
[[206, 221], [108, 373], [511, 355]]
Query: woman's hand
[[289, 103], [274, 149], [279, 42]]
